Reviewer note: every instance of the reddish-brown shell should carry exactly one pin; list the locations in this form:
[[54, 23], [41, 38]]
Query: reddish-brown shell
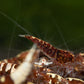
[[52, 52]]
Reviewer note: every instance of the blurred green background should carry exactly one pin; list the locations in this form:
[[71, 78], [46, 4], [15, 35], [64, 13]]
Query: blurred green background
[[60, 22]]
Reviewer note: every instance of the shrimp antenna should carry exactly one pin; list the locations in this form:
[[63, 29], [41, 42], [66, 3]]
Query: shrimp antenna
[[15, 22]]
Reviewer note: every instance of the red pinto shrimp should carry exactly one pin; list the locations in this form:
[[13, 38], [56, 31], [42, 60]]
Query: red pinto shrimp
[[62, 56]]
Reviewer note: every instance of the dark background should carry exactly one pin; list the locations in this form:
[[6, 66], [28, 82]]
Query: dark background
[[60, 22]]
